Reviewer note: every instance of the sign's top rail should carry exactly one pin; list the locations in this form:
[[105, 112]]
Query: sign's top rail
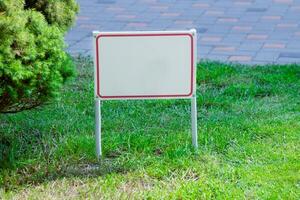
[[191, 31]]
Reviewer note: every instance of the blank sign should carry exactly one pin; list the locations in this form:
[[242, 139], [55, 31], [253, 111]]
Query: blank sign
[[134, 65]]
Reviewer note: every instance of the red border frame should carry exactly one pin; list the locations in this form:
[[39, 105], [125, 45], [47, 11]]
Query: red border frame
[[146, 34]]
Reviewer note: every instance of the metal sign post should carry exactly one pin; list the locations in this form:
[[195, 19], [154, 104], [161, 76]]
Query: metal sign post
[[98, 127], [194, 97], [194, 121], [145, 65]]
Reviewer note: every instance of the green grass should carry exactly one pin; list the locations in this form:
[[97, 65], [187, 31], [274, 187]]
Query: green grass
[[249, 141]]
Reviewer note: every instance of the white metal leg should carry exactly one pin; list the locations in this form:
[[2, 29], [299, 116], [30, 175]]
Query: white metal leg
[[194, 122], [98, 127]]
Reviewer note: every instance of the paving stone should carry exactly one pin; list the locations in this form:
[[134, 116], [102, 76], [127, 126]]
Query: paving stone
[[283, 60], [227, 20], [274, 46], [256, 9], [214, 13], [283, 1], [264, 27], [258, 63], [257, 36], [201, 30], [250, 17], [221, 29], [76, 35], [289, 55], [287, 25], [242, 3], [216, 57], [235, 37], [272, 17], [206, 21], [235, 52], [77, 52], [246, 31], [210, 39], [266, 56], [224, 48], [204, 49], [280, 35], [201, 5], [251, 46], [294, 45], [237, 58], [163, 24]]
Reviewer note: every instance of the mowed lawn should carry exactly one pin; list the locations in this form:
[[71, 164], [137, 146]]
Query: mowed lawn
[[249, 141]]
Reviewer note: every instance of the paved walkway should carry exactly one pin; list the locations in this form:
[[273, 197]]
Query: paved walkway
[[245, 31]]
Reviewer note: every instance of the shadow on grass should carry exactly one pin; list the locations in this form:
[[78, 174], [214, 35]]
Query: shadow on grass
[[27, 157], [38, 174]]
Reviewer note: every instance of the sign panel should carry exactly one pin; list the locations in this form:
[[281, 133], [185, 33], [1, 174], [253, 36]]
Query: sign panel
[[141, 65]]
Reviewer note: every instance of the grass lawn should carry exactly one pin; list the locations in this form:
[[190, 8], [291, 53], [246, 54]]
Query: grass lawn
[[249, 139]]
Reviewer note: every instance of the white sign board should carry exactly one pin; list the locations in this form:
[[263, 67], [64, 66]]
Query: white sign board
[[134, 65], [145, 65]]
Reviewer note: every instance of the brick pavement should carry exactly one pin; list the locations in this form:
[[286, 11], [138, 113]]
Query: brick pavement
[[244, 31]]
